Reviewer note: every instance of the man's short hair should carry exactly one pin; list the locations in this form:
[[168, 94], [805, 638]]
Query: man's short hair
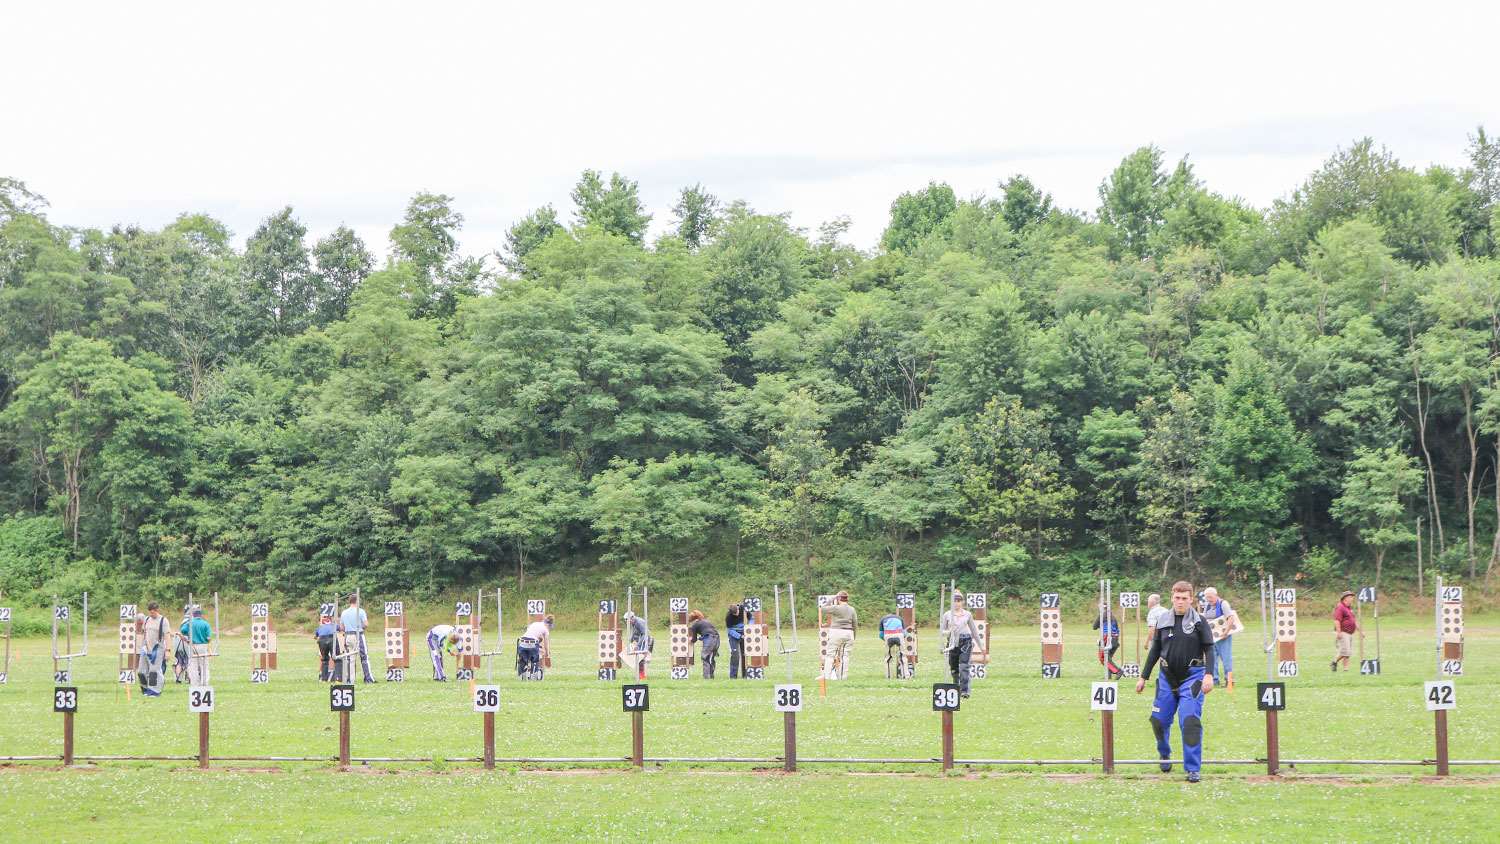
[[152, 606], [842, 595], [1182, 586], [1153, 597], [353, 599]]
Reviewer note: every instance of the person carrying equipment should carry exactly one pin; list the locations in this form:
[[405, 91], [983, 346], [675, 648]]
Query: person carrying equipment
[[842, 621], [734, 625], [960, 635], [1185, 647], [700, 629], [891, 631], [1216, 607], [440, 638], [641, 643], [198, 634], [328, 669], [1109, 642], [152, 665], [530, 647], [354, 621]]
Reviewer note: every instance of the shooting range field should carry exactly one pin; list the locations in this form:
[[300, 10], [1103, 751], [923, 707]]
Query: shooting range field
[[1014, 714]]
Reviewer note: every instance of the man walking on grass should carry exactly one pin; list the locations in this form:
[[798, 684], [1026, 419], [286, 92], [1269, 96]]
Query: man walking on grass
[[1345, 625], [1185, 647]]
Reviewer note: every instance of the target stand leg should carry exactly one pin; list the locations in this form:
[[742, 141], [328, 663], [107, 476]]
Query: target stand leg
[[947, 740], [789, 741], [489, 741], [1107, 732], [1273, 744], [203, 741], [1440, 728], [67, 739], [344, 741], [637, 739]]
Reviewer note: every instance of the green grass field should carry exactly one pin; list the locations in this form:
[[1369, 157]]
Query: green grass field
[[1014, 714]]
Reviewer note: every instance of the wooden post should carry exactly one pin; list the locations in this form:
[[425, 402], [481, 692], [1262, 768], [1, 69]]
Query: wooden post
[[1107, 727], [637, 739], [67, 739], [489, 741], [343, 739], [1273, 744], [947, 740], [789, 741], [1440, 724], [203, 740]]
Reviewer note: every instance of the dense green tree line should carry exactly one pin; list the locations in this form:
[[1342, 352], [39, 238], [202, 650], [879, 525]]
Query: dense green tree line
[[1003, 389]]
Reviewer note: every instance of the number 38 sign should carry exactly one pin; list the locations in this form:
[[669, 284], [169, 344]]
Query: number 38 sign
[[789, 698]]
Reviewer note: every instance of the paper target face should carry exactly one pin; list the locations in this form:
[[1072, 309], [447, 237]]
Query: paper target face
[[1452, 668], [607, 607], [788, 697], [1286, 668], [1452, 617], [1130, 600], [395, 643], [1286, 622], [536, 606], [1369, 666], [1052, 626], [1051, 600], [977, 601], [826, 601], [1439, 694], [394, 608], [677, 605], [395, 675], [200, 698], [1104, 697], [260, 610], [679, 672], [905, 600], [259, 675]]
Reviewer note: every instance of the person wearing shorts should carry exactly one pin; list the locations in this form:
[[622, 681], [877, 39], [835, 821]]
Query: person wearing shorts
[[1345, 625]]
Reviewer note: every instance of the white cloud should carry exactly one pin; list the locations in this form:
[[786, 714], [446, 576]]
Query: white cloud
[[343, 110]]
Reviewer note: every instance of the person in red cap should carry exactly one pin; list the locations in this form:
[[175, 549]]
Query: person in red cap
[[1345, 625]]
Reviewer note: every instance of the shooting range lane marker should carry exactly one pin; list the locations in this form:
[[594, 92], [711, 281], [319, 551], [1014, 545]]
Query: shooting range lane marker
[[62, 659], [263, 643], [787, 697], [397, 637], [608, 642], [978, 604], [201, 701], [1052, 637], [679, 642], [5, 632], [636, 700], [1103, 697], [341, 701], [756, 640], [906, 610], [945, 700]]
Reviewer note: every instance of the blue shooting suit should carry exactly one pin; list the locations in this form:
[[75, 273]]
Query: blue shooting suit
[[1185, 647]]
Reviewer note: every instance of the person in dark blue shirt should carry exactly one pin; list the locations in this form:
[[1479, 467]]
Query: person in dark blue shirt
[[1185, 647]]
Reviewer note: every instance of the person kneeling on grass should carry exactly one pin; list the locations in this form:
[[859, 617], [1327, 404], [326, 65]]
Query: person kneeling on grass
[[441, 638], [1185, 647]]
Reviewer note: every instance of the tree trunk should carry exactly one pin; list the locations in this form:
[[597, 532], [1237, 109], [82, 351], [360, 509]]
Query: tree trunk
[[1434, 514], [1469, 476]]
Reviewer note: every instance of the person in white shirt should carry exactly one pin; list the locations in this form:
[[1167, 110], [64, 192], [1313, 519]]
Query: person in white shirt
[[534, 645], [1155, 614], [960, 636], [353, 622], [440, 638]]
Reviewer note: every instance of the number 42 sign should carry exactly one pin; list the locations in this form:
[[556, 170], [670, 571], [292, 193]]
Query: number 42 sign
[[1439, 694]]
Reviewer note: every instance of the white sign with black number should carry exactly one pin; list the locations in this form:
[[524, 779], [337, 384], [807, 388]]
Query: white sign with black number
[[261, 610], [60, 613], [62, 676], [1285, 596], [1439, 694], [200, 698], [1452, 668], [1452, 593], [536, 606], [1286, 668], [127, 612], [127, 677], [677, 605], [259, 675], [977, 601], [1050, 600], [394, 608], [4, 613], [1104, 696], [789, 698], [486, 698], [395, 675], [755, 673], [1131, 669], [978, 671], [679, 672]]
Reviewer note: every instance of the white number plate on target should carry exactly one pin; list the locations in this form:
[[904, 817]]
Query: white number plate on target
[[486, 698], [1104, 696], [679, 672], [789, 698]]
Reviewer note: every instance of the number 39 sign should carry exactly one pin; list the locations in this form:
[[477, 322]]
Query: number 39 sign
[[944, 697]]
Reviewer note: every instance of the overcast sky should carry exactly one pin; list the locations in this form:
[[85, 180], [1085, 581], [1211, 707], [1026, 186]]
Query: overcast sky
[[344, 110]]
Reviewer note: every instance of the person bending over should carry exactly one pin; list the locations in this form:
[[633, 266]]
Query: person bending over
[[700, 629]]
